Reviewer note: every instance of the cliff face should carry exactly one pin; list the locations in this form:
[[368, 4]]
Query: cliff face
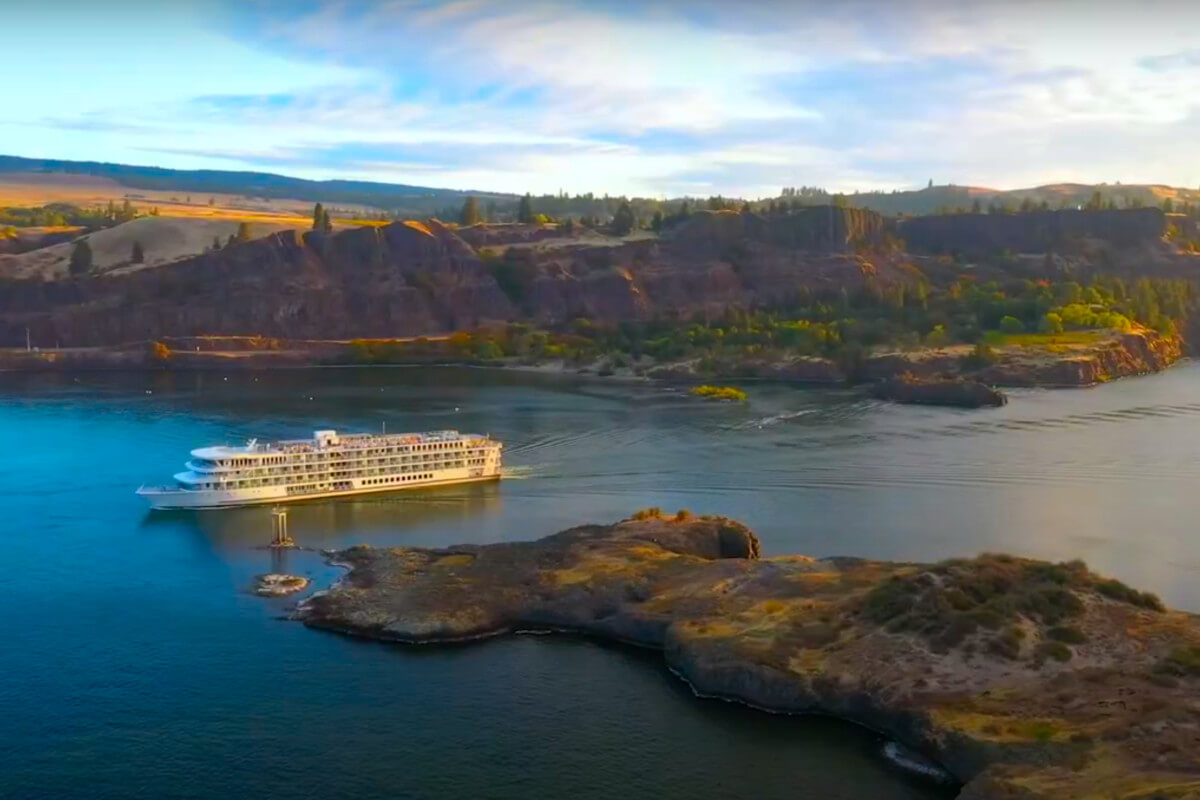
[[1134, 353], [1033, 232], [397, 280], [410, 279], [1022, 678]]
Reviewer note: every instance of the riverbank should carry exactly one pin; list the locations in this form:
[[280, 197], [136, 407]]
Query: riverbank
[[1021, 678], [1026, 362]]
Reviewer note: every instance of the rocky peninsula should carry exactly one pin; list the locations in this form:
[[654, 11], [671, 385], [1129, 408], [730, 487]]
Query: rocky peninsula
[[1023, 679]]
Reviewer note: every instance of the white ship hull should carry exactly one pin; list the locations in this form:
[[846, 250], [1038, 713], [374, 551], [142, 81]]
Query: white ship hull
[[169, 498], [328, 465]]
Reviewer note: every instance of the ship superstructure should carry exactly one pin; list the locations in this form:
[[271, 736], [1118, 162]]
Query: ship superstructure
[[327, 465]]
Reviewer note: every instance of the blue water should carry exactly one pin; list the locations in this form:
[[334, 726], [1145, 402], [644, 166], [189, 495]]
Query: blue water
[[135, 663]]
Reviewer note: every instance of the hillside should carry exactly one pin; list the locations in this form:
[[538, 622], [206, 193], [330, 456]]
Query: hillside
[[411, 200], [413, 279], [934, 199], [422, 201], [163, 239]]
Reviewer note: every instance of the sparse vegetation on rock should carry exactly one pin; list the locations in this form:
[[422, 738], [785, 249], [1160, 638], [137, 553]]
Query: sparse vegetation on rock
[[1021, 677]]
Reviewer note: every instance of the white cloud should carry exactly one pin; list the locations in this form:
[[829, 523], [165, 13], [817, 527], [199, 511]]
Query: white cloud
[[658, 97]]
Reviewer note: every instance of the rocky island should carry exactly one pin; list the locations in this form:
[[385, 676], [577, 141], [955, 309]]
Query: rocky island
[[1023, 679], [958, 392]]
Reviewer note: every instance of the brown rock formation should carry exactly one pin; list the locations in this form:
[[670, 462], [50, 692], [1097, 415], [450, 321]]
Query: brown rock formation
[[958, 392], [420, 278], [1032, 232], [1135, 353], [1022, 678]]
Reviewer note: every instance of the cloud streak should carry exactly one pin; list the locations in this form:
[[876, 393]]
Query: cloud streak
[[654, 98]]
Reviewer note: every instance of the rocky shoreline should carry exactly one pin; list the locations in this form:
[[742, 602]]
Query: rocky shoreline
[[1137, 352], [1022, 679]]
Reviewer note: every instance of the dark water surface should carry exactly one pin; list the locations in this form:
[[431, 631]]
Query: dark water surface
[[135, 664]]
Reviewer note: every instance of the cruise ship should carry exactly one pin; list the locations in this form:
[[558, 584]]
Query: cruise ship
[[327, 465]]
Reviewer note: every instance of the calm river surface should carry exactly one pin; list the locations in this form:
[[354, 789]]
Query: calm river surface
[[136, 665]]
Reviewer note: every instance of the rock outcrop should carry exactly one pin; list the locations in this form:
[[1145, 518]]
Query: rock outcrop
[[958, 392], [408, 279], [278, 585], [1032, 232], [1137, 352], [1022, 678]]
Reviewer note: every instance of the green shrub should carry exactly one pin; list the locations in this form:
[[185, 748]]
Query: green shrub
[[1010, 324], [1182, 662], [983, 355], [1056, 650], [1067, 633], [1115, 590], [1007, 644], [718, 393]]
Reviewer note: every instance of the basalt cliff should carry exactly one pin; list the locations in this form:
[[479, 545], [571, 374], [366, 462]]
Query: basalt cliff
[[1023, 679], [311, 291], [408, 279]]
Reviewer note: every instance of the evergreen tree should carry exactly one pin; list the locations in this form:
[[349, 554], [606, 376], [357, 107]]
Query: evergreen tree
[[470, 212], [746, 207], [525, 210], [326, 223], [138, 256], [243, 232], [318, 217], [656, 222], [216, 243], [81, 258], [231, 241], [623, 220]]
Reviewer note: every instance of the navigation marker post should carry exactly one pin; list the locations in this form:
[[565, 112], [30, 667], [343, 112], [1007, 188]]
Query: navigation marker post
[[279, 529]]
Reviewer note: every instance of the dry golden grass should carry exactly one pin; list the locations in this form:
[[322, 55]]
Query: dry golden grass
[[164, 239], [38, 189]]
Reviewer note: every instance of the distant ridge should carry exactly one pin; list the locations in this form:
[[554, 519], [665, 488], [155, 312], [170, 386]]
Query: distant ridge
[[252, 184], [402, 199]]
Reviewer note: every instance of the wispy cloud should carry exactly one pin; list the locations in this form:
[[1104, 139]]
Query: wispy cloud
[[652, 98]]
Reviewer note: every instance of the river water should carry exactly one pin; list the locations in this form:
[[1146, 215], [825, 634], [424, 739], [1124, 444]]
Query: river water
[[136, 665]]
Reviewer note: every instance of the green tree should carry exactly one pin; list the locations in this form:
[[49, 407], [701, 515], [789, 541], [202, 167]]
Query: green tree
[[656, 222], [318, 217], [470, 212], [138, 256], [623, 220], [1010, 324], [216, 243], [525, 210], [243, 232], [326, 222], [81, 258], [1051, 323]]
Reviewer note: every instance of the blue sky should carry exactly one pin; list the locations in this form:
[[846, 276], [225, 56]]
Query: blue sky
[[650, 98]]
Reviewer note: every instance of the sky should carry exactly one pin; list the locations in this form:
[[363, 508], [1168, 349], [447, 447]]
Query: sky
[[652, 98]]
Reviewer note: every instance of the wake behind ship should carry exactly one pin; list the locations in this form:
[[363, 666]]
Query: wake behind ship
[[327, 465]]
